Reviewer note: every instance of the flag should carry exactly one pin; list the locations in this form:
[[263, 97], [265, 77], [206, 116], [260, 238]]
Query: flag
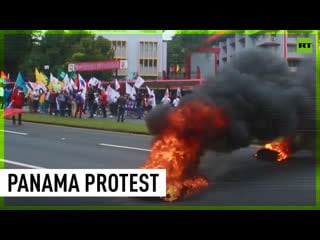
[[149, 91], [139, 82], [56, 88], [116, 84], [42, 87], [9, 112], [21, 83], [40, 77], [55, 84], [178, 94], [32, 85], [82, 84], [153, 103], [166, 99], [75, 79], [128, 88], [131, 91], [73, 85], [94, 82], [166, 94], [61, 74], [53, 79], [67, 82], [111, 94]]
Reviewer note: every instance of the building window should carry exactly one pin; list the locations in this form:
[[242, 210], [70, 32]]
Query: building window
[[148, 58], [148, 67], [120, 49], [121, 53]]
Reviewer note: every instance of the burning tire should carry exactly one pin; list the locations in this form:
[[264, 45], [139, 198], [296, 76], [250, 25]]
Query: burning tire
[[265, 154]]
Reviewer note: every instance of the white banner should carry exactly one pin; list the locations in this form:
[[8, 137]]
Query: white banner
[[139, 82]]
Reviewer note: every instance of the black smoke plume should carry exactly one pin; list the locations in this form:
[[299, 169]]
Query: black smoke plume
[[262, 98]]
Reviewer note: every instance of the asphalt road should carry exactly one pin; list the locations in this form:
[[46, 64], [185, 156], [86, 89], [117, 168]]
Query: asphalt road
[[236, 179]]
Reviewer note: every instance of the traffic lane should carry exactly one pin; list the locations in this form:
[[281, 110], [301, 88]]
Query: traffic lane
[[236, 179], [84, 151], [80, 135], [50, 153], [246, 181]]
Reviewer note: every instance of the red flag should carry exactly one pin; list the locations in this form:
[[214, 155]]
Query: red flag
[[9, 112]]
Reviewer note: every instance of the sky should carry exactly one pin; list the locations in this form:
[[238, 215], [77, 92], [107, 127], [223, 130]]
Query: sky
[[168, 34]]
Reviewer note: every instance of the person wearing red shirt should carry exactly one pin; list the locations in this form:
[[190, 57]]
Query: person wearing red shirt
[[17, 101], [104, 103]]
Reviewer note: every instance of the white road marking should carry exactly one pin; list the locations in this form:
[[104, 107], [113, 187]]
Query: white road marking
[[19, 133], [21, 164], [126, 147]]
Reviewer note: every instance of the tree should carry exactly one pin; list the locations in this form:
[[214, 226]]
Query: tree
[[91, 49], [181, 43], [59, 48], [17, 46]]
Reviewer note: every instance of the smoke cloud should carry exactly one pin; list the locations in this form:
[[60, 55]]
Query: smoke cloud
[[262, 98]]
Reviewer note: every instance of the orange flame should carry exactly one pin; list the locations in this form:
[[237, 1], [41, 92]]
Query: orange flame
[[283, 148], [179, 148]]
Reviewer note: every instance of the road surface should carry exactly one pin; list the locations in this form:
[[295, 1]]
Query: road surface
[[236, 179]]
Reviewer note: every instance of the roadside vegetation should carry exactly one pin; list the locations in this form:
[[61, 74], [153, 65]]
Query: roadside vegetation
[[87, 123]]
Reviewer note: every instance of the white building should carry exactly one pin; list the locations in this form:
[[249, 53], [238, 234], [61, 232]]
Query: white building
[[145, 52]]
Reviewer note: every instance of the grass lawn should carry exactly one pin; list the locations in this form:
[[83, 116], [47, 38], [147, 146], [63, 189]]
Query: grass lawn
[[87, 123]]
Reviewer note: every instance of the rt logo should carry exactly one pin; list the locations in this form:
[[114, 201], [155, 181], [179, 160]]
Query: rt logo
[[304, 45]]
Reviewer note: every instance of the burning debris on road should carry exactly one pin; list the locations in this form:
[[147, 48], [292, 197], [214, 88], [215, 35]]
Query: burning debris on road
[[275, 151], [255, 97]]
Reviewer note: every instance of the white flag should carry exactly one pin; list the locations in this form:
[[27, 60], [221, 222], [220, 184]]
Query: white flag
[[116, 84], [166, 94], [179, 92], [128, 88], [94, 82], [131, 91], [166, 99], [53, 79], [111, 94], [139, 82], [67, 82], [149, 91], [153, 103]]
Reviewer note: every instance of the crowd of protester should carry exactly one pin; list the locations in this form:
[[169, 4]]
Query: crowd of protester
[[92, 103]]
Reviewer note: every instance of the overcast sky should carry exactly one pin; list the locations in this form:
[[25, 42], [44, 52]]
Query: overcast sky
[[168, 34]]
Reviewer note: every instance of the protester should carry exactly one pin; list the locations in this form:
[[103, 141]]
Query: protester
[[121, 101], [17, 101]]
